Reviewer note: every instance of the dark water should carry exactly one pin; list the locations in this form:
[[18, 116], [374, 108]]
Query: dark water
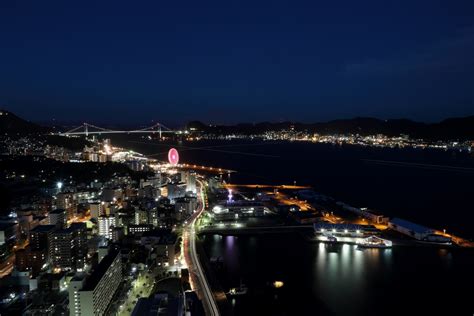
[[430, 187], [322, 280], [433, 188]]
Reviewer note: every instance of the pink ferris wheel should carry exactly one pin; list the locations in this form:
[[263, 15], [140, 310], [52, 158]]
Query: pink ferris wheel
[[173, 157]]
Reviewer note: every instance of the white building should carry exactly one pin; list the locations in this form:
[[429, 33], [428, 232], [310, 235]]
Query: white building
[[191, 182], [105, 226], [92, 295], [237, 209], [417, 231]]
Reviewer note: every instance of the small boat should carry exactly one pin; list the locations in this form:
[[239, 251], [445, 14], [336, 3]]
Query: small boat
[[374, 242], [236, 291]]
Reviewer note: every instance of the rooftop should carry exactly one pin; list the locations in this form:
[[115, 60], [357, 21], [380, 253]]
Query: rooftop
[[71, 229], [165, 236], [160, 304], [43, 228], [78, 225], [410, 225], [351, 227]]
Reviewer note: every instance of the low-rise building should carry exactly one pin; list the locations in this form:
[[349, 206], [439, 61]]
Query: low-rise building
[[236, 209], [354, 230], [365, 213], [417, 231], [164, 244]]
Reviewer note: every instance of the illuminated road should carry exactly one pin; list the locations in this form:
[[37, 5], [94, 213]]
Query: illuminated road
[[267, 186], [193, 262], [76, 219], [204, 168], [457, 240], [7, 267], [286, 200]]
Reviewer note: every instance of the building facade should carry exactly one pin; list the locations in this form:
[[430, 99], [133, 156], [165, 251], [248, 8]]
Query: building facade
[[92, 295]]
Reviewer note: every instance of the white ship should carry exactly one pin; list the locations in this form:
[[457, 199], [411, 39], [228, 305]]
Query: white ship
[[374, 242]]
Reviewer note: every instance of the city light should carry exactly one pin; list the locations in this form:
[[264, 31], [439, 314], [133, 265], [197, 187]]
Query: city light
[[173, 157], [311, 103]]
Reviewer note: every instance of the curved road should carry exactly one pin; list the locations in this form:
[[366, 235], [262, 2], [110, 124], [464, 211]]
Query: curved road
[[209, 301]]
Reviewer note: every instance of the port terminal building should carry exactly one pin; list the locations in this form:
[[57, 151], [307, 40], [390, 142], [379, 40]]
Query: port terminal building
[[349, 230], [365, 213], [417, 231], [228, 210]]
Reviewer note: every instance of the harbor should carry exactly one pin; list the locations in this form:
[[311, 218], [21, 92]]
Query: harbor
[[252, 209], [257, 231]]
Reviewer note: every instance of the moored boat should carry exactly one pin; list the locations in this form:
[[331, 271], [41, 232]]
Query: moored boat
[[374, 242]]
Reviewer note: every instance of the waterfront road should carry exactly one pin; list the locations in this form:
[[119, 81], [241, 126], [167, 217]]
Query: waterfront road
[[192, 259]]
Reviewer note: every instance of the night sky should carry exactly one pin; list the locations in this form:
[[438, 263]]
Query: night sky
[[229, 61]]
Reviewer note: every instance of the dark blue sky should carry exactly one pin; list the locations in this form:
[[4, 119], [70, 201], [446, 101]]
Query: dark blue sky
[[229, 61]]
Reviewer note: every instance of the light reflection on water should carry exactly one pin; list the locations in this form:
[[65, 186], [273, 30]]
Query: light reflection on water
[[339, 279], [232, 252], [342, 272]]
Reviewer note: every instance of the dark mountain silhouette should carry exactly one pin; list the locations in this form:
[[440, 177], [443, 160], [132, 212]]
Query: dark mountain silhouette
[[12, 124], [453, 128], [461, 128]]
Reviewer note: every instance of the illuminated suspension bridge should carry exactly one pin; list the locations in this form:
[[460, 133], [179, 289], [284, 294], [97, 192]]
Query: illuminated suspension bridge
[[89, 129]]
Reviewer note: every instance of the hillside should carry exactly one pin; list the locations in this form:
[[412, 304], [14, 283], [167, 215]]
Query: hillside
[[452, 128], [12, 124]]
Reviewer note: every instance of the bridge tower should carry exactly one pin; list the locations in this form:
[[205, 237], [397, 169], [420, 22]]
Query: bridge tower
[[86, 129]]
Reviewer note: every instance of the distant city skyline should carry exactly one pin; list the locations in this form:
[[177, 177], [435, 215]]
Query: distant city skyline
[[236, 61], [236, 157], [104, 122]]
